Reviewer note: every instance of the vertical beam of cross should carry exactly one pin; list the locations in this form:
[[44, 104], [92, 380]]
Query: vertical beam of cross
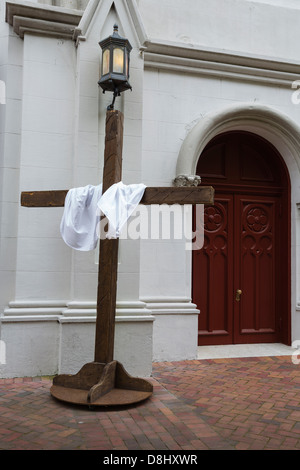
[[108, 256]]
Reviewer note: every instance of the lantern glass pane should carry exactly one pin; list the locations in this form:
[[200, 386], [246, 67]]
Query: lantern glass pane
[[105, 62], [126, 64], [118, 63]]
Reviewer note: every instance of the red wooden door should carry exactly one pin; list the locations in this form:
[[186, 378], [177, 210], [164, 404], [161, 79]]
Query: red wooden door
[[213, 274], [240, 274], [256, 317]]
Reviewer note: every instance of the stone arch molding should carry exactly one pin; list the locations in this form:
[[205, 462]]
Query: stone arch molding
[[276, 127]]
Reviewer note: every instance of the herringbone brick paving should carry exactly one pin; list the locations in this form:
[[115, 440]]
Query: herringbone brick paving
[[225, 404]]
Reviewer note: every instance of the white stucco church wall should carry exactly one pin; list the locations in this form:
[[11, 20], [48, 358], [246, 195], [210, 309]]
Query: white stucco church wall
[[197, 68]]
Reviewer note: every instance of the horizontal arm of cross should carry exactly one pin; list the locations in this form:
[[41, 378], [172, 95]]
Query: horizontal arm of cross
[[152, 195]]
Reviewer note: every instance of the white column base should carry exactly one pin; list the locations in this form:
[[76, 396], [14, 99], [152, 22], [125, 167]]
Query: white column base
[[46, 338], [175, 330]]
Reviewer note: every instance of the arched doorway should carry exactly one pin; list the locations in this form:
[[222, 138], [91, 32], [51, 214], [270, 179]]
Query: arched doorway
[[241, 276]]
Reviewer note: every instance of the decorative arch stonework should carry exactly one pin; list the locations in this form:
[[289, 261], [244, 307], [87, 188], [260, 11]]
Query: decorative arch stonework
[[277, 128]]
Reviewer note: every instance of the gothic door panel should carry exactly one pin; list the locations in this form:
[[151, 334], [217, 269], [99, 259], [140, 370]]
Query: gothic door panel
[[213, 274], [235, 271], [241, 276], [255, 309]]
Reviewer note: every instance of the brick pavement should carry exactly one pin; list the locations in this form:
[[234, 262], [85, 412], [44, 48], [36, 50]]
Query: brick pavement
[[220, 404]]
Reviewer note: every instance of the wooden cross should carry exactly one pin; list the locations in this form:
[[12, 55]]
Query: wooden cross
[[105, 381]]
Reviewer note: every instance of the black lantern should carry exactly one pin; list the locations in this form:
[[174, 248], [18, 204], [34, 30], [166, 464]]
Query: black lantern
[[115, 64]]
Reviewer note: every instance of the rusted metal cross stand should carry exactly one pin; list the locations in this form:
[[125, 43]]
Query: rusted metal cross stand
[[105, 382]]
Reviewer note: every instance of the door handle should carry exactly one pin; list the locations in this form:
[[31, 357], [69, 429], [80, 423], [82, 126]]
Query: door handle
[[238, 295]]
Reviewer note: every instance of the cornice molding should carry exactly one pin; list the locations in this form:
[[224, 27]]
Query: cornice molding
[[224, 64], [42, 19], [63, 22], [73, 24]]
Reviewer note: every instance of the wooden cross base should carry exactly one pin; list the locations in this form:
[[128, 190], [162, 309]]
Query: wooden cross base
[[99, 384]]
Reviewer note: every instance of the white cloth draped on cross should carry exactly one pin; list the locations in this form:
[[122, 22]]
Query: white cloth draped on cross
[[84, 207]]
